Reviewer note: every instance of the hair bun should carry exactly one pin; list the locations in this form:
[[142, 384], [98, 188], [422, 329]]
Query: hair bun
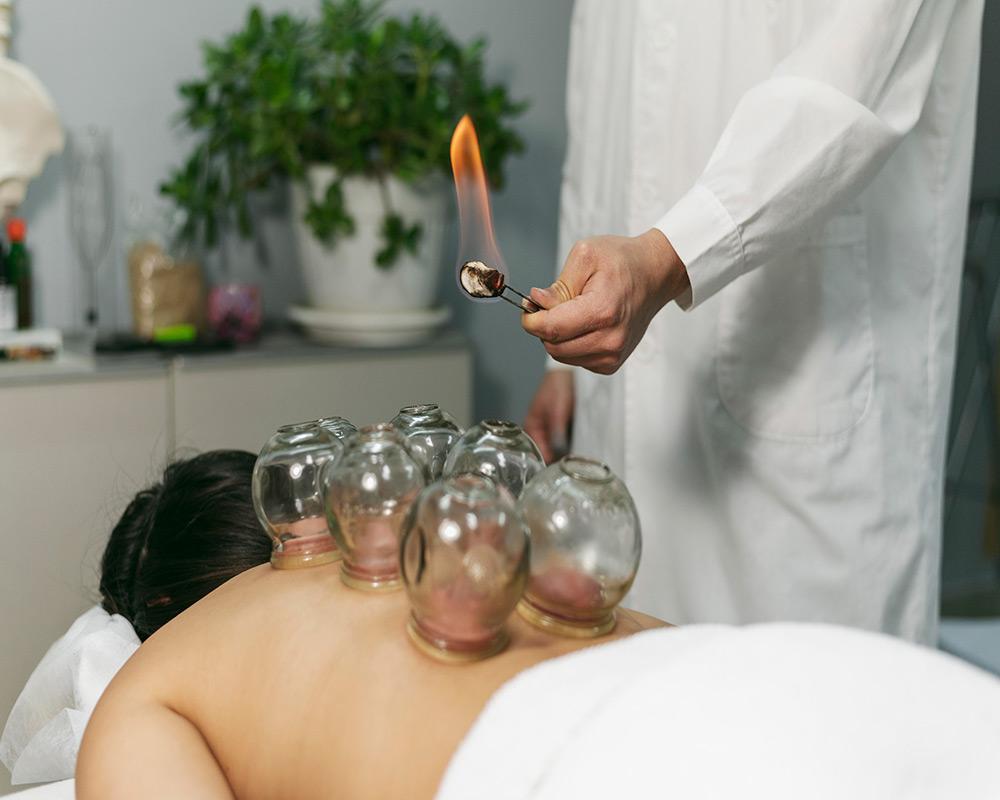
[[182, 538], [125, 552]]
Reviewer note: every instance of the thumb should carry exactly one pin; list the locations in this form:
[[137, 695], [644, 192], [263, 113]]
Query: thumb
[[551, 296], [577, 270]]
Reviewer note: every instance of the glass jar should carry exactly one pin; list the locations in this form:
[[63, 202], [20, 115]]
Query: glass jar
[[465, 562], [499, 450], [430, 433], [368, 492], [585, 547], [287, 498], [338, 427]]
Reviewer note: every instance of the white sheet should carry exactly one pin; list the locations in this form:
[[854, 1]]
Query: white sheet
[[43, 732], [60, 790], [770, 711]]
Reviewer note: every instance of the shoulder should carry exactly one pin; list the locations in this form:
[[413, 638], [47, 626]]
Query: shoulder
[[630, 621], [145, 713], [135, 746], [191, 646]]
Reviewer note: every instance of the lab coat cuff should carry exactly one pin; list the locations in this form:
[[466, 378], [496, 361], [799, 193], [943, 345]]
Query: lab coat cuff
[[707, 241]]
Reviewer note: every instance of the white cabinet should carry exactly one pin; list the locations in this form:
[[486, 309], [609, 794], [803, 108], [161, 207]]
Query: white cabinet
[[219, 402], [72, 454], [74, 449]]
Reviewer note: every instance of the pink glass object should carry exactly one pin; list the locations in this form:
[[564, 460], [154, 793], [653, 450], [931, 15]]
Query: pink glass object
[[287, 498], [585, 547], [234, 312], [465, 562], [499, 450], [368, 491]]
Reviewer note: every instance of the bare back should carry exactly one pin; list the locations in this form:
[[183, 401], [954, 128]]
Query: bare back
[[296, 686]]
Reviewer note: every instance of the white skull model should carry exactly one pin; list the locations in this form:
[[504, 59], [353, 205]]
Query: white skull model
[[29, 126]]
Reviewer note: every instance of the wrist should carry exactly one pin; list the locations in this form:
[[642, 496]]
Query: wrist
[[666, 270]]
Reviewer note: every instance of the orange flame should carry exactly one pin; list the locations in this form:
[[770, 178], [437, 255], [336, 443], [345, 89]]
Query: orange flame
[[477, 242]]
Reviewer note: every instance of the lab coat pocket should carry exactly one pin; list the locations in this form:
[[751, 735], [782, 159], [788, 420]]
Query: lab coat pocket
[[794, 357]]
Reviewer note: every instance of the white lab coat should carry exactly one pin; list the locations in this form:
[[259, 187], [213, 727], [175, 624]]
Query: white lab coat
[[810, 162]]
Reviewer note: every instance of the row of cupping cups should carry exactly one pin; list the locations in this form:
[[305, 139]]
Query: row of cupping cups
[[471, 523]]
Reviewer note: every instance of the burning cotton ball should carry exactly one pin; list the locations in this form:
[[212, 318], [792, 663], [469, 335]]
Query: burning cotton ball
[[481, 280]]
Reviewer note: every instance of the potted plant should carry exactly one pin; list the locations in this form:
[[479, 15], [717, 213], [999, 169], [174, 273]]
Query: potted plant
[[356, 109]]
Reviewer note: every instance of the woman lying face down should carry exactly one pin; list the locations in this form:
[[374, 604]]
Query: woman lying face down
[[289, 684], [278, 683]]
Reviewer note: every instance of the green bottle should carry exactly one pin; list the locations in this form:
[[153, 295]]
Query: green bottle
[[19, 270], [8, 294]]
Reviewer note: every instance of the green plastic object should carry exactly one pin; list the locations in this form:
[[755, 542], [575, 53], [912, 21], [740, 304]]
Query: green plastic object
[[185, 332]]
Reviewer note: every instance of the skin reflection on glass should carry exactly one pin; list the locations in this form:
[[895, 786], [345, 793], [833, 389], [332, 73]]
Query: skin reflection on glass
[[586, 545], [465, 562], [287, 499], [368, 492]]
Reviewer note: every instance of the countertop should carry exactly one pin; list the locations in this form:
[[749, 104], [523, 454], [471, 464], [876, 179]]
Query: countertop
[[75, 363]]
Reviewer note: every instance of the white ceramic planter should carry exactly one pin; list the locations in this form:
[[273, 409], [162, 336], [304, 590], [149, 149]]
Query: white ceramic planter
[[345, 277]]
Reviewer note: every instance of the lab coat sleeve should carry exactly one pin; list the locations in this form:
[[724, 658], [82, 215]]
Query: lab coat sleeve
[[808, 138]]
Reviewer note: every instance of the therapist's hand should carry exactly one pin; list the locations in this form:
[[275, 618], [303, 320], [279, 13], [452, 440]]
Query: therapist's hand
[[551, 413], [609, 290]]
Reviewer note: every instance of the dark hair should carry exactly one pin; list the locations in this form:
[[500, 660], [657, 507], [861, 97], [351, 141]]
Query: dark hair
[[182, 538]]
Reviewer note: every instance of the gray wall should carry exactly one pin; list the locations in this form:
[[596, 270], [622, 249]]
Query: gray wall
[[116, 63]]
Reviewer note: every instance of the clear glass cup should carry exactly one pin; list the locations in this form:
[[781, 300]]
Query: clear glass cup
[[498, 449], [338, 427], [91, 208], [368, 491], [287, 497], [430, 432], [465, 563], [585, 547]]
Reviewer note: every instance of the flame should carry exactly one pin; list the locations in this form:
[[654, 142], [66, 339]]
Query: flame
[[476, 242]]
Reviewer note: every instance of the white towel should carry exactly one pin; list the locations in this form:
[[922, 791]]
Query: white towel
[[769, 711], [43, 732], [61, 790]]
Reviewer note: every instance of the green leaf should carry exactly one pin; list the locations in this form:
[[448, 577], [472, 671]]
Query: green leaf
[[368, 93]]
